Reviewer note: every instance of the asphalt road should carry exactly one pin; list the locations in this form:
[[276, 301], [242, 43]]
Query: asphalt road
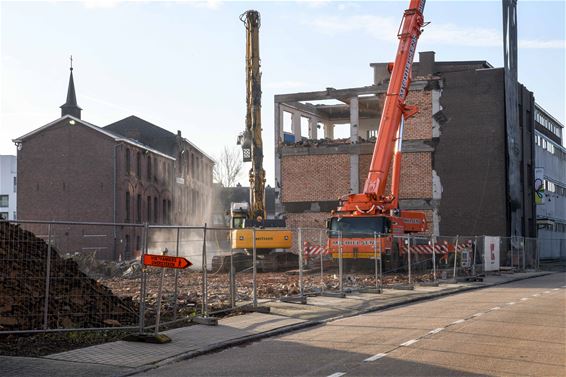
[[515, 329]]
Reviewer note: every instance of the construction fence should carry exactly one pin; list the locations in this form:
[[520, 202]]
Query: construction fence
[[68, 276]]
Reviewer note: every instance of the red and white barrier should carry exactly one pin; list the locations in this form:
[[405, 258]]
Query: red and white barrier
[[312, 251]]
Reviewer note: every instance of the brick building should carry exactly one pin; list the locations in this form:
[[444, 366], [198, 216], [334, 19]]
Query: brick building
[[454, 150], [72, 170]]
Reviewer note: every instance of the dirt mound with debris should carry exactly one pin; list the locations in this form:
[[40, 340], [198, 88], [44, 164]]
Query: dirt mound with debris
[[75, 300]]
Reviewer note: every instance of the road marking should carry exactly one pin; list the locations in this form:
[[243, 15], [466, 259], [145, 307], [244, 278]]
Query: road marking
[[555, 289], [409, 342], [477, 314], [524, 299], [564, 286], [511, 303], [536, 295], [458, 321], [495, 308], [546, 292], [375, 357], [337, 374], [436, 331]]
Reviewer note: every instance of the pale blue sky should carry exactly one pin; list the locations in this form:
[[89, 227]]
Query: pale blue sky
[[180, 65]]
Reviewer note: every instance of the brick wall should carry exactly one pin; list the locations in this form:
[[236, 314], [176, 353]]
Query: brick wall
[[416, 175], [314, 178], [420, 126]]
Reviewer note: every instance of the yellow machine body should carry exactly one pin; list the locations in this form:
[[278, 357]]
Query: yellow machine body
[[264, 239]]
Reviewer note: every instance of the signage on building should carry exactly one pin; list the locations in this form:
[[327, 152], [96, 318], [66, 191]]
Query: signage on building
[[539, 186], [491, 253], [181, 180]]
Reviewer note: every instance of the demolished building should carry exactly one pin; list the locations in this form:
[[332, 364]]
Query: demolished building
[[454, 165]]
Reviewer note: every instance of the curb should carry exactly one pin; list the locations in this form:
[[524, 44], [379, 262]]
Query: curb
[[290, 328]]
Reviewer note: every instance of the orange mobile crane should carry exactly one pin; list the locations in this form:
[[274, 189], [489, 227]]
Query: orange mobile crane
[[363, 218]]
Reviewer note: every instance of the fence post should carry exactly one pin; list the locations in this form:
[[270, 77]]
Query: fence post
[[143, 278], [524, 252], [474, 256], [159, 296], [381, 265], [176, 293], [409, 257], [301, 250], [47, 279], [340, 265], [204, 275], [254, 270], [321, 262], [455, 258], [375, 257], [433, 241], [232, 277]]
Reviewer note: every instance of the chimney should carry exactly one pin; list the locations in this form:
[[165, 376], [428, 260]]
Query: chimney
[[380, 72], [426, 63]]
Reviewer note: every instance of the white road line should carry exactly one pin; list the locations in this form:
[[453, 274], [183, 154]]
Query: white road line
[[536, 295], [375, 357], [458, 321], [564, 286], [511, 303], [546, 292], [436, 331], [409, 342], [495, 308], [337, 374], [524, 299], [477, 314], [555, 289]]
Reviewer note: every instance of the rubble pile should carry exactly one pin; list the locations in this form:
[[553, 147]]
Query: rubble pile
[[75, 300], [98, 268], [269, 285]]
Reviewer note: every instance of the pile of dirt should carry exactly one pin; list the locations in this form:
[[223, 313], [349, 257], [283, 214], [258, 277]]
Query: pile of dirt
[[75, 300]]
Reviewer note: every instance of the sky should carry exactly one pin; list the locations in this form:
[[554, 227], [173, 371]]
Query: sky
[[180, 65]]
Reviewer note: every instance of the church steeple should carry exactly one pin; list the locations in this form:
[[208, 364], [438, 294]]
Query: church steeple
[[70, 107]]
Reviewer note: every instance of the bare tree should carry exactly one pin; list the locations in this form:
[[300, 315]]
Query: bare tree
[[228, 167]]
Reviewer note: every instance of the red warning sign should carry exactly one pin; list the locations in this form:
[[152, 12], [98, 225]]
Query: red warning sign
[[165, 261]]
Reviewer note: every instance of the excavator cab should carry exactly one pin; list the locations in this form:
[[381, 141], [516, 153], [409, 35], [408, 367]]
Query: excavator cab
[[358, 226]]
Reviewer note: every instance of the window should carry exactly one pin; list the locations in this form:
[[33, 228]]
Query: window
[[3, 215], [15, 185], [138, 164], [139, 208], [127, 207], [127, 251], [4, 201], [155, 209], [164, 209], [128, 167], [149, 209], [149, 168]]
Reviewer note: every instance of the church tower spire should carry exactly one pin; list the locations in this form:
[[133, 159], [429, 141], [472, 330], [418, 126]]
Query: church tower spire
[[70, 107]]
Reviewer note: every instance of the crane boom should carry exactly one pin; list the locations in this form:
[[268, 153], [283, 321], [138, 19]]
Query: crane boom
[[394, 107], [373, 216]]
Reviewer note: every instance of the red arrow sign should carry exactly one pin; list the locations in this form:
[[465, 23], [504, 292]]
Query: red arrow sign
[[165, 261]]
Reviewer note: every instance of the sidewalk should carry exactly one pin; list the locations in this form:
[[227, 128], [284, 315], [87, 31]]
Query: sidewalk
[[126, 358]]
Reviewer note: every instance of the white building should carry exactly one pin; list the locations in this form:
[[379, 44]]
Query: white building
[[8, 182], [550, 170]]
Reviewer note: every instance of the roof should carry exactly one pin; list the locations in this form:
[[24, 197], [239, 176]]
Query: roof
[[112, 135], [150, 134]]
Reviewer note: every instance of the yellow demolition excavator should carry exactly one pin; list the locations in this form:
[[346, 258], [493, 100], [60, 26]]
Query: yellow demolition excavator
[[272, 239]]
